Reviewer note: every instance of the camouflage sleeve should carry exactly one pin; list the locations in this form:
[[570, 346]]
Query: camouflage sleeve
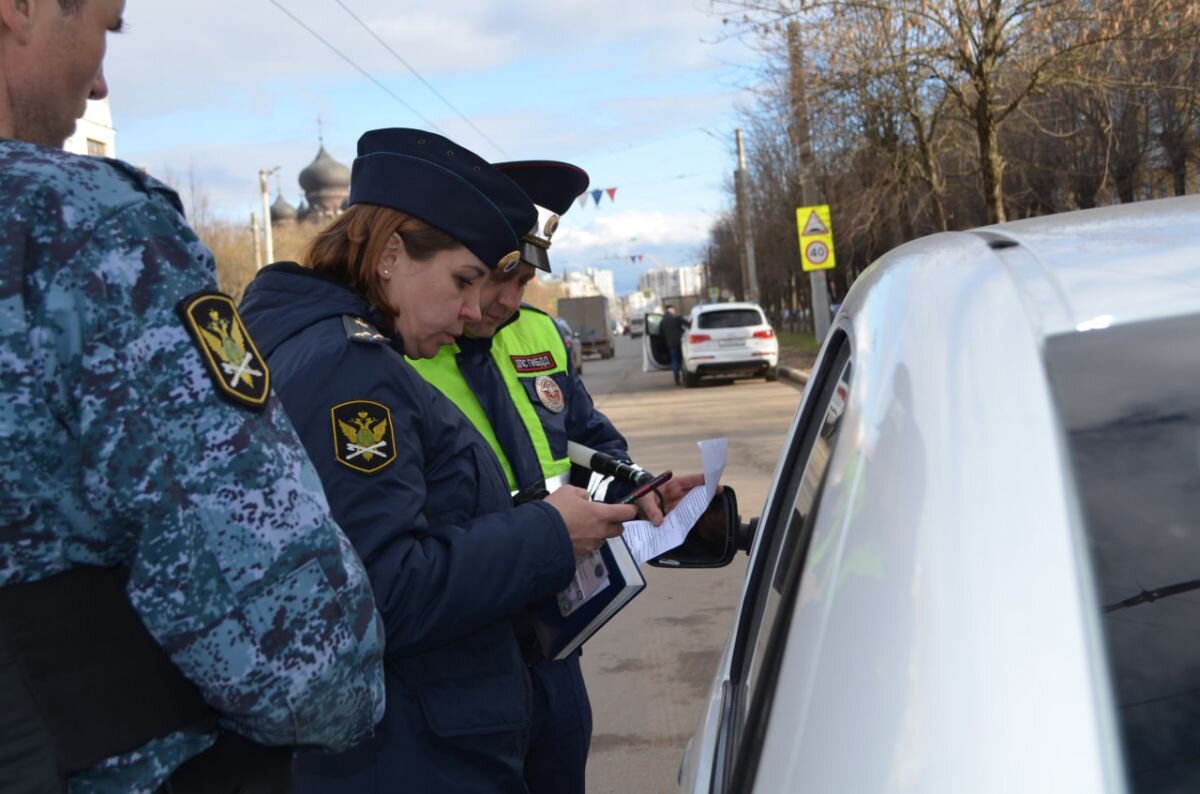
[[240, 572]]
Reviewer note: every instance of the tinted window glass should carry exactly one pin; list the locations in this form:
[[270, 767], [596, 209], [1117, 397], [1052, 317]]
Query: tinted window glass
[[730, 318], [795, 534], [1129, 398]]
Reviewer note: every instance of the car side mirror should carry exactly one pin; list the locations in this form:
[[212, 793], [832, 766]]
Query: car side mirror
[[743, 536], [712, 542]]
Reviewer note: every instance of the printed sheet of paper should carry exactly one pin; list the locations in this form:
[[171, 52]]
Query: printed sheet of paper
[[647, 541]]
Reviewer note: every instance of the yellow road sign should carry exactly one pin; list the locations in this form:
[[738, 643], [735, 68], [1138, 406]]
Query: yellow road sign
[[816, 237]]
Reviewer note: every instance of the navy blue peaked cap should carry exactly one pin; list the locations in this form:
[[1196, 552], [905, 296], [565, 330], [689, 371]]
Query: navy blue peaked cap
[[549, 183], [450, 188], [552, 185]]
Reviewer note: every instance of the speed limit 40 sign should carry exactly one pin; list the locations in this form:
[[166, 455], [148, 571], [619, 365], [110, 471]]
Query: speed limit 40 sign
[[816, 237]]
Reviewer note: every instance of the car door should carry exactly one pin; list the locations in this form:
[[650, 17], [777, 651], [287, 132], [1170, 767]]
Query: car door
[[654, 348], [785, 554]]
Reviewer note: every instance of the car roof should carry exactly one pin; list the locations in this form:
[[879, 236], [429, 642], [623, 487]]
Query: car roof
[[1104, 266], [710, 307]]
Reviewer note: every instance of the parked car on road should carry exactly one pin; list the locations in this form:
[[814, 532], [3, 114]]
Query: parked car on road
[[978, 566], [726, 340], [571, 341]]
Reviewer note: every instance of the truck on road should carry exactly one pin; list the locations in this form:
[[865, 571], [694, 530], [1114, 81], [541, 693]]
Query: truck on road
[[589, 317]]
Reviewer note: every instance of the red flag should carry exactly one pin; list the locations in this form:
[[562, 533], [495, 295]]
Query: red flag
[[612, 193]]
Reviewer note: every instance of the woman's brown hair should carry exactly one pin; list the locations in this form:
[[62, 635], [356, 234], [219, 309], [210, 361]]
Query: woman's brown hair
[[350, 247]]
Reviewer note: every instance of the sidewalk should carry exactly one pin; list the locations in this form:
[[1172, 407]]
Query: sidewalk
[[799, 376], [795, 365]]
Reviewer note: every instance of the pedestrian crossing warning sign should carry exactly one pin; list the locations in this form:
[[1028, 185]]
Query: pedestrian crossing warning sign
[[816, 237]]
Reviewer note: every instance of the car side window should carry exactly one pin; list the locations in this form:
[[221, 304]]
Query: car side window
[[789, 538], [785, 540]]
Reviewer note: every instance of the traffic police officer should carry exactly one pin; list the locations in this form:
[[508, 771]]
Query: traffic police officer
[[168, 562], [415, 487], [511, 376]]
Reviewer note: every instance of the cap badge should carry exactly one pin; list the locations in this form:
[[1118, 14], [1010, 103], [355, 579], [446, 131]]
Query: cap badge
[[549, 393], [551, 227], [509, 261]]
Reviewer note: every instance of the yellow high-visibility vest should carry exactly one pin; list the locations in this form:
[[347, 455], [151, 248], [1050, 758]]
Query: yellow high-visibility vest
[[523, 350]]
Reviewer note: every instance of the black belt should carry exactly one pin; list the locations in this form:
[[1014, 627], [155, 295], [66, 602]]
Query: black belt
[[234, 765], [81, 680]]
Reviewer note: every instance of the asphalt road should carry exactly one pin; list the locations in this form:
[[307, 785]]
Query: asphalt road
[[649, 669]]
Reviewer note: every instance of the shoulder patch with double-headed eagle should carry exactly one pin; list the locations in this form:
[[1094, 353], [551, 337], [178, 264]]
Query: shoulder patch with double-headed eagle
[[362, 435], [229, 354]]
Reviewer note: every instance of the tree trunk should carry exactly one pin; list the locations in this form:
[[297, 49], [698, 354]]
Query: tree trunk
[[991, 166]]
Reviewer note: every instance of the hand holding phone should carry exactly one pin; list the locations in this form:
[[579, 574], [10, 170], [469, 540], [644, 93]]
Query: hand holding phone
[[646, 488]]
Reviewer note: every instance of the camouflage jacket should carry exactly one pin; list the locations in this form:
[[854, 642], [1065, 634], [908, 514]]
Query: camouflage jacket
[[117, 449]]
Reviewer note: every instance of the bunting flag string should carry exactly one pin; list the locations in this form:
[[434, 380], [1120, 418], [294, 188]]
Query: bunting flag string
[[596, 195]]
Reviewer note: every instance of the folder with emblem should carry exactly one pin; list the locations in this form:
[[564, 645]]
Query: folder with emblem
[[605, 581]]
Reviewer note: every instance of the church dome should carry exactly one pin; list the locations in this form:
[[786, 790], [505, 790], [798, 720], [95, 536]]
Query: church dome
[[282, 211], [324, 173]]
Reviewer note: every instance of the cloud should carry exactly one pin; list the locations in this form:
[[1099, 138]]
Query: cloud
[[626, 231], [182, 55]]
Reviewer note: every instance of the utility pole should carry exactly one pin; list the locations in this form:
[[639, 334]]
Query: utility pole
[[258, 262], [746, 232], [265, 189], [809, 195]]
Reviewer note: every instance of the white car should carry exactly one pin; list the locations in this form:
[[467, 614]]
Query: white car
[[727, 340], [978, 567]]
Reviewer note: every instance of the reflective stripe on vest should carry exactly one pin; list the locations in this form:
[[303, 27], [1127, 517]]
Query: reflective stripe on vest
[[443, 374], [530, 334]]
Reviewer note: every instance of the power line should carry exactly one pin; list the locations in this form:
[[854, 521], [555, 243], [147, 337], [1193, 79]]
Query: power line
[[417, 74], [364, 72]]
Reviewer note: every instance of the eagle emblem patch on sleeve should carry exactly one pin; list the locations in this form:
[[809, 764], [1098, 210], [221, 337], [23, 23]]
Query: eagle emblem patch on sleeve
[[362, 435], [229, 354]]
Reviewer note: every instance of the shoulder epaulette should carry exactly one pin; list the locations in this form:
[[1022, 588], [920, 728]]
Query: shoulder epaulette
[[359, 330]]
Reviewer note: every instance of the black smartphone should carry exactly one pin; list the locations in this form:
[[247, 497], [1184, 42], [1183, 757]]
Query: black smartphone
[[646, 488]]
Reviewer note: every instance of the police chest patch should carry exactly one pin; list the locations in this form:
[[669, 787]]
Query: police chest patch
[[229, 354], [538, 362], [549, 393], [363, 438]]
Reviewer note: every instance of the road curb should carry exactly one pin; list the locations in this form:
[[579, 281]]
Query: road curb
[[795, 375]]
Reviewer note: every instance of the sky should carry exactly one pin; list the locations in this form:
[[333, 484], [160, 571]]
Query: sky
[[642, 94]]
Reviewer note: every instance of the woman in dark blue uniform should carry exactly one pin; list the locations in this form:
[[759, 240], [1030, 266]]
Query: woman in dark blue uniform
[[413, 485]]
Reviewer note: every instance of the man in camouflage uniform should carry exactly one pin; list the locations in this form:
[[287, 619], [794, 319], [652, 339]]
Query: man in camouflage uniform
[[138, 434]]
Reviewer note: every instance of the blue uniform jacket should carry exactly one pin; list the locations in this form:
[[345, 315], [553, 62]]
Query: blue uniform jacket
[[450, 560], [579, 421]]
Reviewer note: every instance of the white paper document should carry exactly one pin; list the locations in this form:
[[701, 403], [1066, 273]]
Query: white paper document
[[647, 541]]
